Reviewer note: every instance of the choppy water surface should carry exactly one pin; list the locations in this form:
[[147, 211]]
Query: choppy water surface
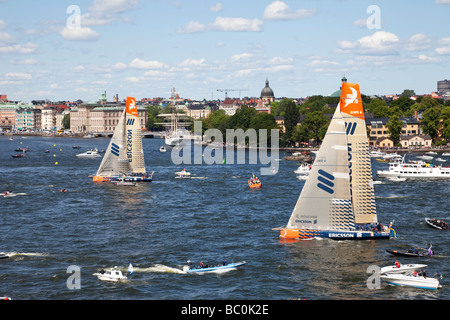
[[158, 226]]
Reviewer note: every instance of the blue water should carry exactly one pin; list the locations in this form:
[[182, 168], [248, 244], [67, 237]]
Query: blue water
[[158, 226]]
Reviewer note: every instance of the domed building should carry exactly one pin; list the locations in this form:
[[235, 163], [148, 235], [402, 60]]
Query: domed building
[[267, 93]]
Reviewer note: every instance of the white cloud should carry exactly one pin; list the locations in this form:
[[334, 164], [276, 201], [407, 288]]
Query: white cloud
[[79, 34], [236, 24], [118, 66], [30, 61], [417, 42], [138, 63], [192, 27], [192, 63], [224, 24], [279, 10], [240, 57], [425, 58], [380, 42], [447, 2], [217, 8], [132, 79], [445, 46], [113, 6], [19, 48], [18, 76]]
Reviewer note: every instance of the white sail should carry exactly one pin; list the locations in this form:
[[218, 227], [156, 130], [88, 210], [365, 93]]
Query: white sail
[[363, 198], [135, 152], [115, 160], [325, 200]]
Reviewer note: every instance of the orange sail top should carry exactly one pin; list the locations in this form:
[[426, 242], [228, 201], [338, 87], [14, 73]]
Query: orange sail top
[[351, 102], [131, 107]]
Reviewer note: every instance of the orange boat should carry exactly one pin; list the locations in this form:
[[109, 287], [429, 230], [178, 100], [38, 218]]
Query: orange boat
[[254, 183]]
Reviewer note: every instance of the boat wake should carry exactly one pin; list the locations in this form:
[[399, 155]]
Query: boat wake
[[24, 254], [13, 195], [159, 268]]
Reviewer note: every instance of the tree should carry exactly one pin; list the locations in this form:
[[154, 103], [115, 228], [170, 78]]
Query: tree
[[394, 126], [430, 122], [291, 117], [314, 126], [404, 103], [378, 107], [408, 93], [66, 121]]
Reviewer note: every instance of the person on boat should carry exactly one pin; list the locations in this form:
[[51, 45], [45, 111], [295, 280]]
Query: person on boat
[[416, 250], [224, 262], [397, 264], [202, 265]]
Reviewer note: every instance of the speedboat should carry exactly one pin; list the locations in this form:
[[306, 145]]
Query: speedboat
[[112, 274], [19, 155], [22, 150], [412, 252], [217, 268], [425, 157], [93, 153], [401, 268], [182, 174], [411, 279], [436, 223], [162, 149], [446, 154], [377, 154], [303, 169], [441, 160]]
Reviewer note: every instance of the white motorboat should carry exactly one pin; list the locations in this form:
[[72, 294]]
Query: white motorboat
[[112, 274], [162, 149], [425, 157], [377, 154], [412, 280], [446, 154], [391, 156], [414, 169], [431, 153], [93, 153], [401, 268], [182, 174], [441, 160], [303, 169], [225, 267]]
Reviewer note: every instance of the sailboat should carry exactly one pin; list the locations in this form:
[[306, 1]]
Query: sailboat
[[337, 200], [124, 158]]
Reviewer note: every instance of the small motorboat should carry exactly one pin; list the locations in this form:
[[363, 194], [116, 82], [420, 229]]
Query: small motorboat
[[162, 149], [76, 147], [412, 252], [225, 267], [425, 157], [8, 194], [303, 169], [436, 223], [412, 279], [22, 150], [446, 154], [19, 155], [441, 160], [254, 183], [3, 256], [401, 268], [93, 153], [183, 174], [112, 274]]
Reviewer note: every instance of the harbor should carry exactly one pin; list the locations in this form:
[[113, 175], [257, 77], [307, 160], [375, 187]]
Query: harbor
[[159, 226]]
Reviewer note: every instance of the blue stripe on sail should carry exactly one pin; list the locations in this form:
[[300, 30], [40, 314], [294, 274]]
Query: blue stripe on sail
[[115, 149], [326, 174], [327, 182], [325, 188]]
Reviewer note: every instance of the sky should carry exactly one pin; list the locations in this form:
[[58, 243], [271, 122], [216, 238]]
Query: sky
[[69, 50]]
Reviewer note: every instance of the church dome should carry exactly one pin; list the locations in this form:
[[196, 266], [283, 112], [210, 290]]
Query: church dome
[[267, 92]]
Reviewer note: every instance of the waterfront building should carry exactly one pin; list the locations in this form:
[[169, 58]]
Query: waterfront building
[[100, 117], [415, 141], [7, 116], [28, 118], [377, 129]]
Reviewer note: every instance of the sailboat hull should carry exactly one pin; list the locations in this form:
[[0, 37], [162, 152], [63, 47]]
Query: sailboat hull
[[306, 234]]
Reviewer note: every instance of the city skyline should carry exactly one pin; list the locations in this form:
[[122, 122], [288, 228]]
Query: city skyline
[[69, 50]]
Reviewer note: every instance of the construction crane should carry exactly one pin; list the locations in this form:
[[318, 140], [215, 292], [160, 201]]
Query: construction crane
[[227, 90]]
